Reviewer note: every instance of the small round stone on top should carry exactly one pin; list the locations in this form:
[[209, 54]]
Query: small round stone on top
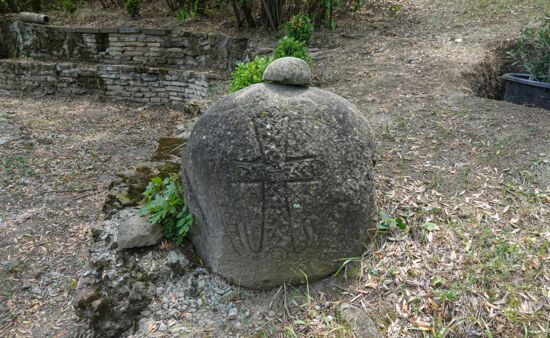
[[290, 71]]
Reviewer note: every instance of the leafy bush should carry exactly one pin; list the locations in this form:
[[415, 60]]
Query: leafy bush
[[182, 15], [249, 73], [165, 205], [133, 7], [291, 47], [358, 4], [252, 72], [300, 28], [532, 51], [69, 6]]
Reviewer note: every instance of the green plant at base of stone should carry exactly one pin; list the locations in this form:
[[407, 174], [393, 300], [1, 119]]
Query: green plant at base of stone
[[249, 73], [389, 223], [532, 51], [289, 46], [165, 205], [133, 7], [300, 28]]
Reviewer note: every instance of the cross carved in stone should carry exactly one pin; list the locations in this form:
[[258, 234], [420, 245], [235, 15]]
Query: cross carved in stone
[[274, 172]]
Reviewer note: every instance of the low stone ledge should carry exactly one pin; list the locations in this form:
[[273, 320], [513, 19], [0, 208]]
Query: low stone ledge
[[129, 30]]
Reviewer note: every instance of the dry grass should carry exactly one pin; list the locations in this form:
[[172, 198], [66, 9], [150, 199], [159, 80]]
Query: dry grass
[[476, 264]]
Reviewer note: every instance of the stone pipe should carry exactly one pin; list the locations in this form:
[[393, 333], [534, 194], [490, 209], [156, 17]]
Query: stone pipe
[[34, 18]]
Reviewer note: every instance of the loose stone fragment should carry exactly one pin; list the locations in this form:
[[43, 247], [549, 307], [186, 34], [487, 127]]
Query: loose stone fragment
[[137, 232]]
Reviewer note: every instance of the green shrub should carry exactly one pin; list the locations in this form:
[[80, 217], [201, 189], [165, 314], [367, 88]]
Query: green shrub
[[358, 4], [300, 28], [165, 205], [532, 51], [133, 7], [291, 47], [182, 15], [69, 6], [249, 73]]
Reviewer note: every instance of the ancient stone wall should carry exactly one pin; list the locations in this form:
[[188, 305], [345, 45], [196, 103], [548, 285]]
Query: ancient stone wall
[[47, 78], [155, 85], [142, 65], [135, 46], [132, 83]]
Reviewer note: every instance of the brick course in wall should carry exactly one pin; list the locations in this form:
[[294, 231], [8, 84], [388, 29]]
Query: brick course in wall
[[123, 82]]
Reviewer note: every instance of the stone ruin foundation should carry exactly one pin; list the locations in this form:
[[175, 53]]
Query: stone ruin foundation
[[153, 66]]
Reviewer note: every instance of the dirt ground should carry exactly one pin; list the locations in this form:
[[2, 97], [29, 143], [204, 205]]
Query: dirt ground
[[469, 176]]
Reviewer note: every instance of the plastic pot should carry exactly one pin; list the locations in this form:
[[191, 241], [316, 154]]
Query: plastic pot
[[520, 90]]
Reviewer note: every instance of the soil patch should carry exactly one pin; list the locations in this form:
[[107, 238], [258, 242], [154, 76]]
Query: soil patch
[[484, 79]]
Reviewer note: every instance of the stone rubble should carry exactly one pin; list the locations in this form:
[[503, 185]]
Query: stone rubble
[[153, 286], [136, 231]]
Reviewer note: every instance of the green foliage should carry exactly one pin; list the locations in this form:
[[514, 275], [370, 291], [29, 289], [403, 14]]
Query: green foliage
[[532, 51], [395, 8], [345, 262], [289, 46], [69, 6], [328, 12], [182, 15], [252, 72], [190, 8], [249, 73], [389, 223], [358, 5], [133, 7], [165, 205], [300, 28]]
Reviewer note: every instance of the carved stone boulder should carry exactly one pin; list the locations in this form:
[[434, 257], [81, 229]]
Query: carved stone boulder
[[280, 180]]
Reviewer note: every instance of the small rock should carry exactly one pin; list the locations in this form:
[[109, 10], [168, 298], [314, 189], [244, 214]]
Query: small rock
[[184, 130], [99, 307], [361, 324], [96, 229], [137, 232], [289, 70], [163, 327], [232, 312]]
